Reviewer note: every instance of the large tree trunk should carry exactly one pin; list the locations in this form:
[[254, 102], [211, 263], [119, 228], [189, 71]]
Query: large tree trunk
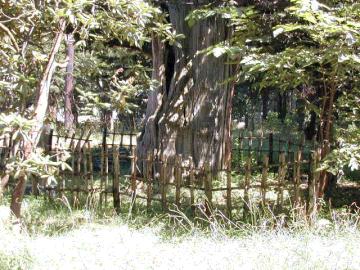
[[39, 117], [69, 84], [189, 113]]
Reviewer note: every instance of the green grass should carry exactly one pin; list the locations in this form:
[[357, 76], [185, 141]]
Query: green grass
[[57, 236]]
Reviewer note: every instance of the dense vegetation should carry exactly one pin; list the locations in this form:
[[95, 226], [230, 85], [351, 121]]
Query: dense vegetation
[[175, 70], [186, 75]]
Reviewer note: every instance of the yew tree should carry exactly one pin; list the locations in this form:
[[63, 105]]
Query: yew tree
[[189, 110]]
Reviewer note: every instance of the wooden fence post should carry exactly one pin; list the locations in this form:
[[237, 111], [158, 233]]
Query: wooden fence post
[[228, 192], [208, 188], [104, 167], [313, 187], [241, 135], [281, 178], [296, 175], [85, 166], [271, 148], [79, 155], [192, 183], [163, 181], [133, 173], [91, 167], [264, 176], [178, 178], [149, 179], [116, 180], [247, 185]]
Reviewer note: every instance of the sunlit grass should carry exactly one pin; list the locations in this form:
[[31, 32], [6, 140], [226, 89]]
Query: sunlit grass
[[60, 237]]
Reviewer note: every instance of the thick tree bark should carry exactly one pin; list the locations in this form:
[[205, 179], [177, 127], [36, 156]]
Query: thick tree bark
[[189, 113], [69, 84], [39, 116]]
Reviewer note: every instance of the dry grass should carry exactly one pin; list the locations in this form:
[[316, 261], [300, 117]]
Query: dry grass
[[116, 244]]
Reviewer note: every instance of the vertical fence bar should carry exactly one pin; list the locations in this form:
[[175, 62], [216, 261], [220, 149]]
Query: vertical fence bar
[[260, 147], [149, 179], [281, 178], [241, 134], [250, 143], [192, 183], [133, 172], [163, 181], [228, 192], [178, 176], [271, 148], [91, 167], [73, 174], [113, 150], [296, 175], [208, 188], [247, 185], [85, 166], [78, 168], [264, 177], [60, 186], [106, 169], [116, 180], [103, 167], [313, 188]]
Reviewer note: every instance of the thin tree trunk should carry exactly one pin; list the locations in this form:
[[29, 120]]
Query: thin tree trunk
[[39, 116], [69, 83], [326, 138]]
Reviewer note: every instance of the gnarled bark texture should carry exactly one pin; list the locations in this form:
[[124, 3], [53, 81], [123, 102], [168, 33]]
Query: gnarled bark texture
[[189, 112]]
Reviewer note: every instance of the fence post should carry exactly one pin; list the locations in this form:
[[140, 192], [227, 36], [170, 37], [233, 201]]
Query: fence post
[[91, 168], [271, 148], [228, 192], [260, 146], [104, 166], [247, 185], [133, 173], [296, 175], [313, 187], [264, 177], [116, 180], [241, 135], [281, 178], [163, 181], [192, 182], [79, 156], [85, 166], [208, 188], [148, 175], [178, 176]]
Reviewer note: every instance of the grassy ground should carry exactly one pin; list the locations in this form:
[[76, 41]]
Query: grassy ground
[[58, 237]]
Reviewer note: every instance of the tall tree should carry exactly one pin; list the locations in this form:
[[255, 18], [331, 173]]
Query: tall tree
[[189, 112]]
